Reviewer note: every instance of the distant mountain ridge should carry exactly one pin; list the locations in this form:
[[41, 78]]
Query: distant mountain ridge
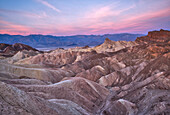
[[55, 41]]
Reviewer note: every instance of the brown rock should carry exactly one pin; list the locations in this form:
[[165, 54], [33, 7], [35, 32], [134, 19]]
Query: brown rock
[[162, 36], [85, 93], [16, 102], [112, 46]]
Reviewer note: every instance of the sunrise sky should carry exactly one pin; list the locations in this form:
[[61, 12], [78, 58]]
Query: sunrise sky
[[71, 17]]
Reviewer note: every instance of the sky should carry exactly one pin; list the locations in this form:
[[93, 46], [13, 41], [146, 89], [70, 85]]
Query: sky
[[83, 17]]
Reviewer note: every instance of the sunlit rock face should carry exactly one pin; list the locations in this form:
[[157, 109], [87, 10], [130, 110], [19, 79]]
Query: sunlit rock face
[[8, 50], [115, 78], [21, 55], [162, 36], [112, 46]]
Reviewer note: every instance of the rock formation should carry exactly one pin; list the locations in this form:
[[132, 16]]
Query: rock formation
[[112, 46], [115, 78], [10, 50], [162, 36]]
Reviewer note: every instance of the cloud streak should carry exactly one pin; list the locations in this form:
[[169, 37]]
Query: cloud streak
[[10, 28], [138, 23], [102, 15], [22, 13], [49, 5]]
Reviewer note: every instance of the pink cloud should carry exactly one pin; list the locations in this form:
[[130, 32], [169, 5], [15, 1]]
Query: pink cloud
[[10, 28], [97, 15], [150, 15], [14, 29], [136, 23]]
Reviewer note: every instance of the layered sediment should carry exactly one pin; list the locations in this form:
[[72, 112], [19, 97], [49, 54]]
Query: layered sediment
[[115, 78]]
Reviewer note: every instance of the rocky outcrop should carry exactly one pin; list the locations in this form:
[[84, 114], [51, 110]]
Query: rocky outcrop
[[55, 58], [136, 69], [3, 46], [120, 107], [100, 68], [44, 74], [10, 50], [21, 55], [87, 94], [112, 46], [20, 47], [162, 36], [16, 102]]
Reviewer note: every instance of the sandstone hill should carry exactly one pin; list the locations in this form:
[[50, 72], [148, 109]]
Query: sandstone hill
[[10, 50], [115, 78], [111, 46], [162, 36]]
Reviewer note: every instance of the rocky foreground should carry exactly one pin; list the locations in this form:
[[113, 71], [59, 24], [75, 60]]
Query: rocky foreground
[[114, 78]]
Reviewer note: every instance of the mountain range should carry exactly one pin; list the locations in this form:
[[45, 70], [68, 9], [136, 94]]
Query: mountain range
[[40, 41]]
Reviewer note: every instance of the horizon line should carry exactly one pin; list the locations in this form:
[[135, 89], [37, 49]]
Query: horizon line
[[84, 34], [70, 35]]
